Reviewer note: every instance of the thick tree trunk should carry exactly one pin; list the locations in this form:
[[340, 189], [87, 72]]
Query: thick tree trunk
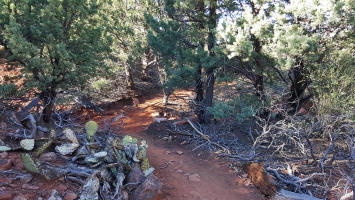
[[299, 83], [48, 103]]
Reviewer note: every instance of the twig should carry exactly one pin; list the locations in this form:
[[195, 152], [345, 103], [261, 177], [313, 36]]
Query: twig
[[206, 137]]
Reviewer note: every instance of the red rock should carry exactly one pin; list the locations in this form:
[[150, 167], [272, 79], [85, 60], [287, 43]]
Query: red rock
[[5, 165], [47, 157], [70, 196], [148, 190], [6, 196]]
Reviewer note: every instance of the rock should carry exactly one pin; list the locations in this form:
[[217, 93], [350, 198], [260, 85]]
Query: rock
[[29, 187], [20, 197], [5, 165], [25, 178], [135, 175], [61, 188], [6, 196], [70, 196], [54, 195], [180, 171], [167, 152], [4, 155], [91, 188], [194, 178], [48, 157], [179, 152], [288, 195], [148, 189]]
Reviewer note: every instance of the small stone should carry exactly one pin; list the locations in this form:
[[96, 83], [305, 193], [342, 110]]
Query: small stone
[[48, 157], [6, 196], [29, 187], [43, 129], [167, 152], [70, 196], [20, 197], [179, 171], [5, 165], [4, 155], [194, 178], [179, 152], [183, 142]]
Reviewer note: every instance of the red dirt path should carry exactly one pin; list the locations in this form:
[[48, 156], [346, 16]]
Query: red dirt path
[[215, 181]]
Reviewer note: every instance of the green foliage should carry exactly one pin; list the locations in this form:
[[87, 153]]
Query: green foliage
[[101, 84], [60, 43], [240, 108], [91, 127], [7, 90], [29, 164]]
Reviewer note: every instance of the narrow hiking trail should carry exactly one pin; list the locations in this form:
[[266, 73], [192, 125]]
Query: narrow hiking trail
[[184, 176]]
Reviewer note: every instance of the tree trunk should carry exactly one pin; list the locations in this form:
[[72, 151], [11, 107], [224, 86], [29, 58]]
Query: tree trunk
[[299, 83], [167, 93], [212, 24], [48, 103], [129, 78], [199, 95]]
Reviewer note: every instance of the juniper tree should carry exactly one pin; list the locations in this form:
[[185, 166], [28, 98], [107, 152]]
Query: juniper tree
[[60, 43], [186, 43]]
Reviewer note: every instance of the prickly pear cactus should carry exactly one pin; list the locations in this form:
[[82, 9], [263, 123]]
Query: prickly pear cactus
[[29, 164], [91, 128], [71, 135], [142, 154], [145, 164], [44, 147], [27, 144]]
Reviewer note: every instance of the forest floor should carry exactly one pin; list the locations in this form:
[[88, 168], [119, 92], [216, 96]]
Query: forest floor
[[184, 174]]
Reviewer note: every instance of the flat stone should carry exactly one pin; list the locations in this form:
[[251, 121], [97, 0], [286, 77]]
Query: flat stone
[[179, 171], [179, 152], [70, 196], [194, 178], [6, 196], [29, 187]]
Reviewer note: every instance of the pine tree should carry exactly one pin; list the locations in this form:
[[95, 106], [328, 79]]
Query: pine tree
[[61, 44]]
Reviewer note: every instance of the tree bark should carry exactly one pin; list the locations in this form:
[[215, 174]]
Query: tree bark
[[48, 103], [299, 83], [199, 111], [212, 24]]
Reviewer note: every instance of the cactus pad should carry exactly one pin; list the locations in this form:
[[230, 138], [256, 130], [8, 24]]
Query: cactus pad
[[66, 149], [70, 135], [27, 144], [43, 148], [91, 128], [29, 164], [4, 148]]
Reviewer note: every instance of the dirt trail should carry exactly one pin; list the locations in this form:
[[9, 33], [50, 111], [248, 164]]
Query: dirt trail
[[185, 176]]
